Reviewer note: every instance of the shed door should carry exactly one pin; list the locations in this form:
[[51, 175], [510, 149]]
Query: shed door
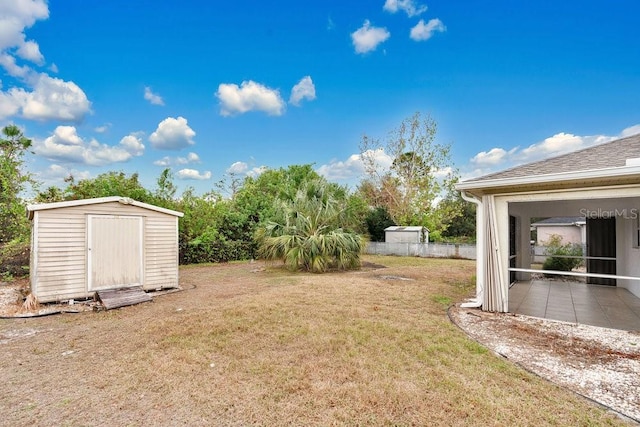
[[114, 251], [601, 243]]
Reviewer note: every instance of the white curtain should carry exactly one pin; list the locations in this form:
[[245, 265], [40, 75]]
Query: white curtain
[[495, 289]]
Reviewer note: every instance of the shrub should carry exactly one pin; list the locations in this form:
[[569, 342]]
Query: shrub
[[377, 220], [198, 251], [308, 235], [560, 257], [14, 259]]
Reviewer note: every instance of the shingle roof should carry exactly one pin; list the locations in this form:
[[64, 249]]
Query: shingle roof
[[608, 155]]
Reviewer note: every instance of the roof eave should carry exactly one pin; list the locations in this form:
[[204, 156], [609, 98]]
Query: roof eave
[[124, 200], [605, 175]]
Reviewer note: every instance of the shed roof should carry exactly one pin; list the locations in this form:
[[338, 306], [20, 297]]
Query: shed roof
[[123, 200], [560, 221], [617, 160], [405, 228]]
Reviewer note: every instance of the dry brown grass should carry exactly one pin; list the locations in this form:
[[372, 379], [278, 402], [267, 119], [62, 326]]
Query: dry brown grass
[[246, 344]]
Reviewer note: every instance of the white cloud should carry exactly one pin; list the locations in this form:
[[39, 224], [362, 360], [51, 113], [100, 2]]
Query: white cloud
[[30, 51], [67, 146], [341, 170], [485, 162], [9, 106], [379, 158], [41, 97], [67, 135], [153, 98], [172, 134], [353, 167], [103, 128], [257, 171], [411, 7], [193, 174], [631, 130], [164, 162], [424, 31], [237, 168], [367, 38], [559, 143], [58, 173], [242, 168], [492, 157], [132, 144], [51, 99], [443, 173], [249, 96], [8, 62], [55, 175], [305, 89], [169, 161], [488, 161], [15, 17], [191, 158]]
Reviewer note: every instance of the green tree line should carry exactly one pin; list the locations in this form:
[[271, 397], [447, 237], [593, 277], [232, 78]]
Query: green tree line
[[291, 213]]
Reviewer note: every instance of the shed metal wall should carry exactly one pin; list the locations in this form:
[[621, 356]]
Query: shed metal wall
[[59, 249], [406, 236], [402, 236]]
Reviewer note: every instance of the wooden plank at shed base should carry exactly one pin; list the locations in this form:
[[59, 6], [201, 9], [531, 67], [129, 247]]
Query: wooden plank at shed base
[[114, 298]]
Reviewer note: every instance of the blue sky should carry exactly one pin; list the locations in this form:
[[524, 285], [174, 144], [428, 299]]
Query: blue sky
[[212, 88]]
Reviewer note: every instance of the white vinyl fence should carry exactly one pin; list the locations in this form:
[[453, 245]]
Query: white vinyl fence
[[425, 250]]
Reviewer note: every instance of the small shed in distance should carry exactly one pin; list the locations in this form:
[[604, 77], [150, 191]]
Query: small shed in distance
[[406, 234], [82, 246]]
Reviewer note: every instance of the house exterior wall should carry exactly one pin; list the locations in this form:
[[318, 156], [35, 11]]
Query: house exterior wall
[[569, 233], [59, 249], [627, 253]]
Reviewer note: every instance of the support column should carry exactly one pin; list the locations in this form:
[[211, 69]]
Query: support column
[[524, 247]]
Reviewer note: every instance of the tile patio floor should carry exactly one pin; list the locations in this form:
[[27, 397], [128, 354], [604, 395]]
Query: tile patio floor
[[577, 302]]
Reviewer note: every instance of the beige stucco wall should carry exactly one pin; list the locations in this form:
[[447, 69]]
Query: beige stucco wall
[[59, 249], [568, 233]]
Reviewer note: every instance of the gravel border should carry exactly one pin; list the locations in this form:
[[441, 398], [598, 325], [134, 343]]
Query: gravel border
[[600, 364]]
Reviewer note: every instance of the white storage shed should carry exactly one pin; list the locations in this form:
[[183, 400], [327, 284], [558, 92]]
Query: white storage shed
[[406, 234], [82, 246]]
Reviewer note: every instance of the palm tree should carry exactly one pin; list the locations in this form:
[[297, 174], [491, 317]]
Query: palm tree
[[308, 234]]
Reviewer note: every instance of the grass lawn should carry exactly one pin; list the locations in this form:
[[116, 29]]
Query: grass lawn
[[249, 344]]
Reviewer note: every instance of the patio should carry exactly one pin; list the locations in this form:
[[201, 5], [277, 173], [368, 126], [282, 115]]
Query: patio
[[577, 302]]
